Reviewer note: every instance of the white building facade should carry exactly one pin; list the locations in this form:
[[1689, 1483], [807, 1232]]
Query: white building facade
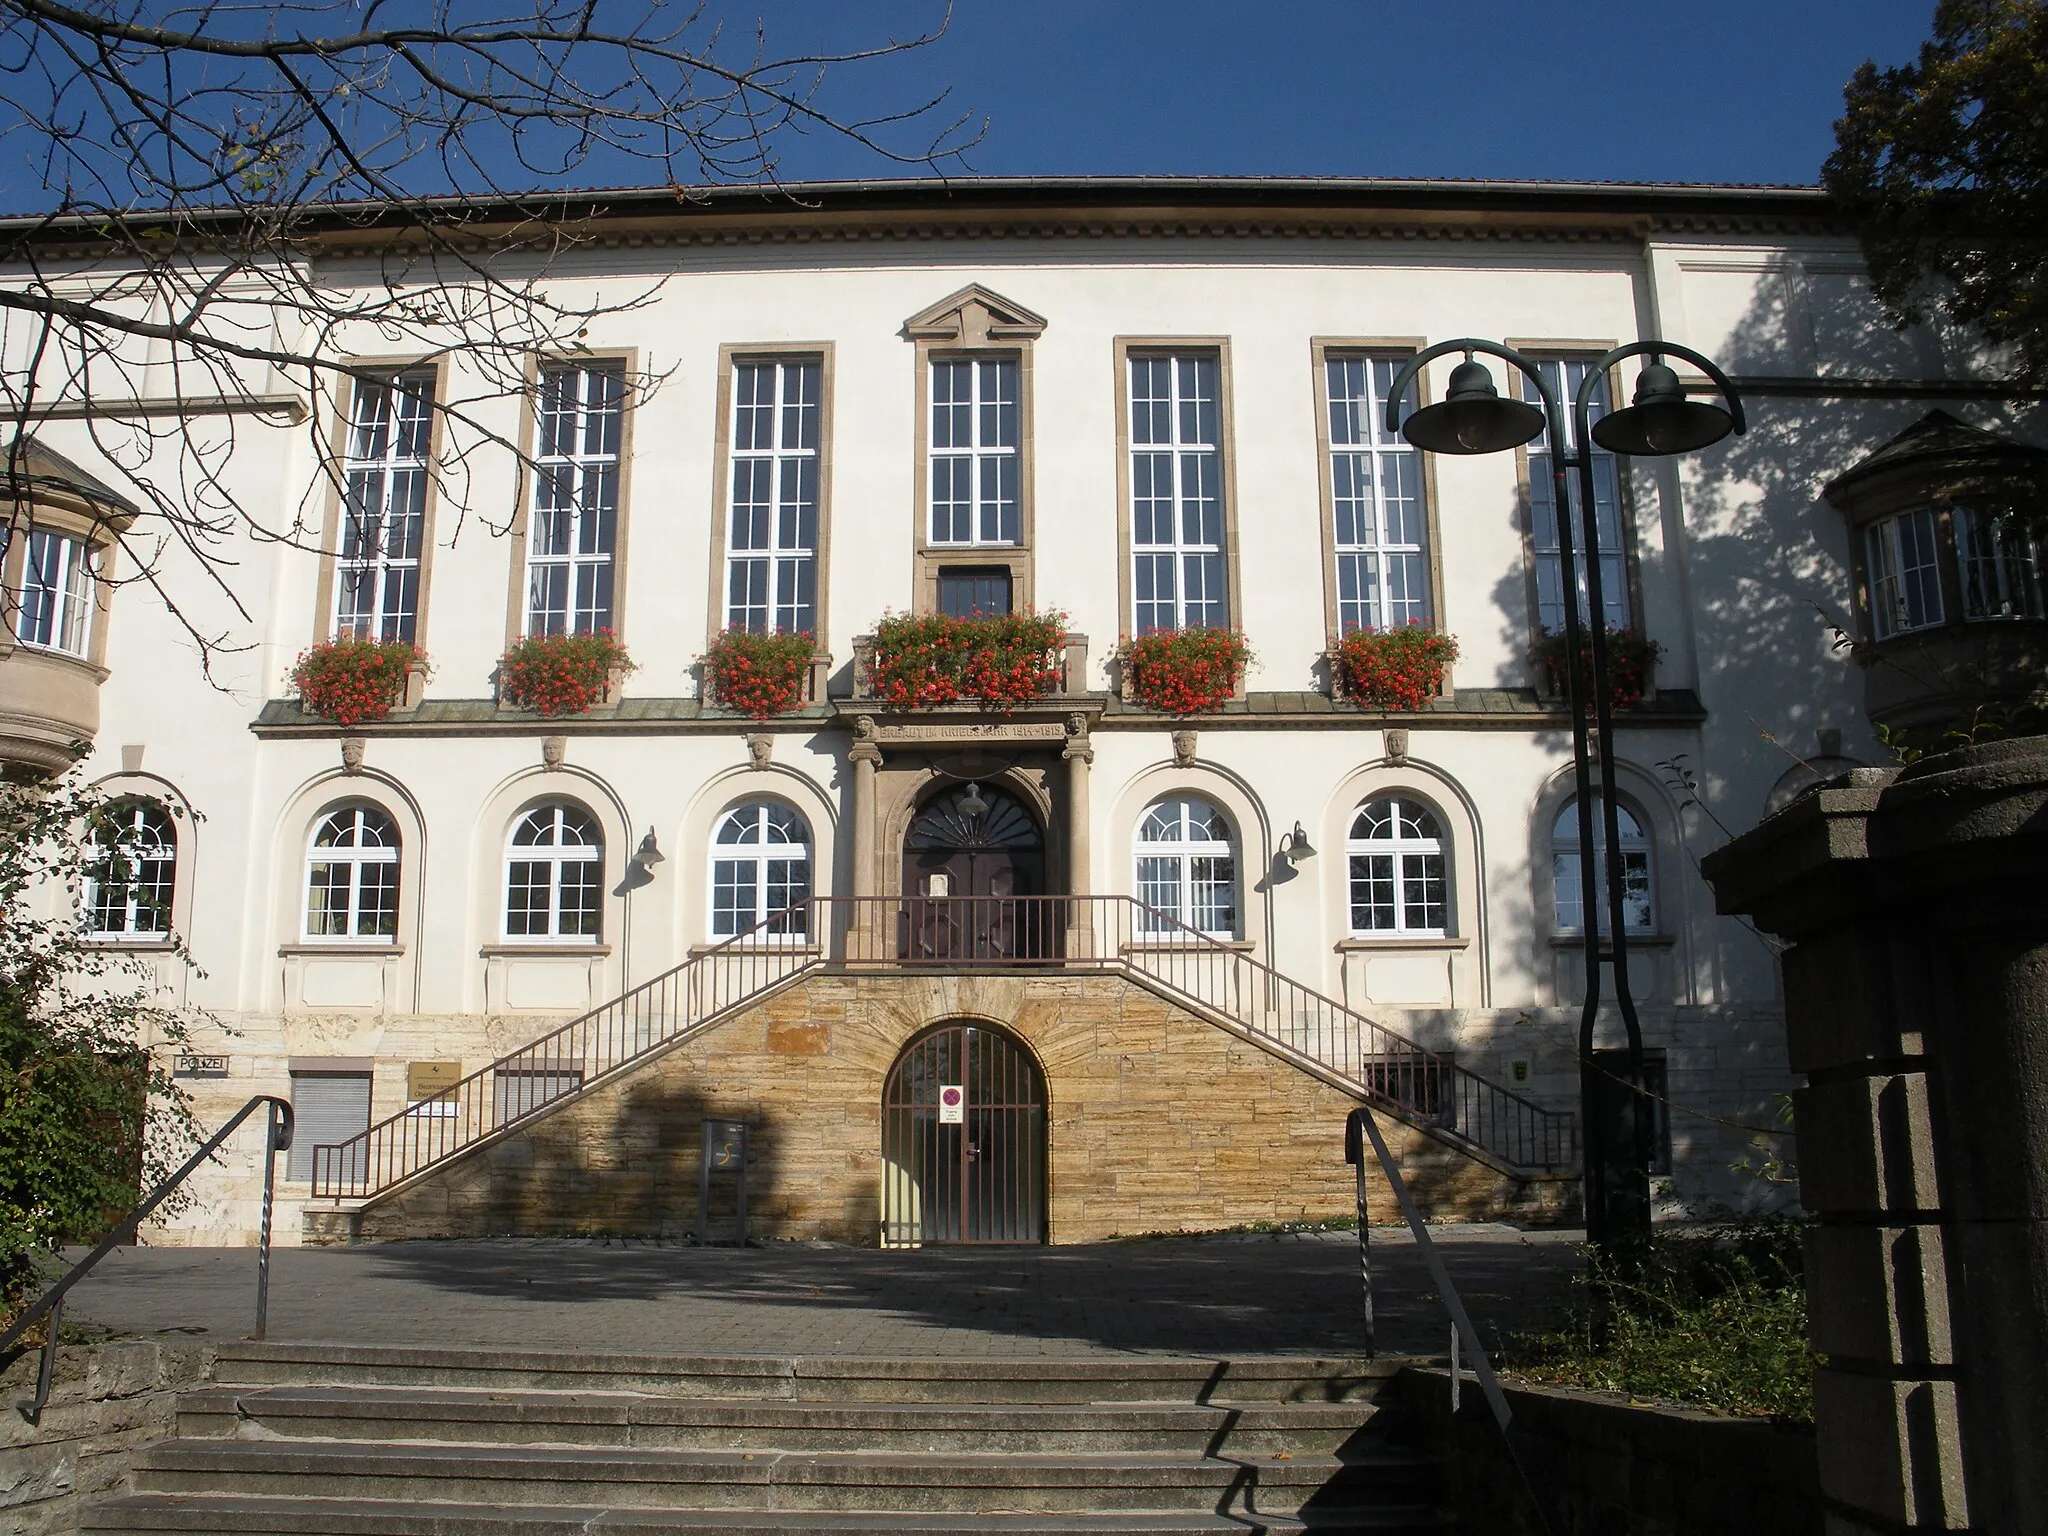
[[1146, 405]]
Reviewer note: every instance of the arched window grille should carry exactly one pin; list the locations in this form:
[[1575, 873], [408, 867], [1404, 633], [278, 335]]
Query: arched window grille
[[1397, 870], [134, 864], [352, 876], [1637, 906], [760, 870], [1187, 868], [554, 875]]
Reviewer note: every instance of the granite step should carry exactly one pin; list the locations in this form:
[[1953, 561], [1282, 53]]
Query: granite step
[[635, 1420], [952, 1483]]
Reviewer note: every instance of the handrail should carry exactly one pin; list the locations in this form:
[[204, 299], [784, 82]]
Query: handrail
[[1360, 1125], [576, 1055], [277, 1136]]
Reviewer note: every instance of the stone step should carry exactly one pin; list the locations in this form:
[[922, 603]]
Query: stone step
[[1263, 1379], [219, 1515], [610, 1477], [634, 1420]]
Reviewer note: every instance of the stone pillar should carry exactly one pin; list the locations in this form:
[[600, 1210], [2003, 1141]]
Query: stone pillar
[[1916, 997], [1079, 754], [862, 919]]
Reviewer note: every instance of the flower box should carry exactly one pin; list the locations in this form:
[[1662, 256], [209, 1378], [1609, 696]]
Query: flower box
[[758, 675], [1393, 670], [1183, 671], [351, 681], [999, 662], [555, 675], [1631, 665]]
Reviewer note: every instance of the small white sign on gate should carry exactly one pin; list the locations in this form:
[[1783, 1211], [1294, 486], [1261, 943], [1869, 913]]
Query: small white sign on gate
[[952, 1106]]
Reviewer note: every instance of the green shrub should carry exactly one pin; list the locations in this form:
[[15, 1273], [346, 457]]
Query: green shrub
[[1712, 1317]]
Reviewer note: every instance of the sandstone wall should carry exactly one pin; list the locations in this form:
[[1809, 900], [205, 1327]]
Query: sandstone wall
[[1157, 1122]]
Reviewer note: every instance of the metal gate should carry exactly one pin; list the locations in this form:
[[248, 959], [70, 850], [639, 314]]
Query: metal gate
[[977, 1178]]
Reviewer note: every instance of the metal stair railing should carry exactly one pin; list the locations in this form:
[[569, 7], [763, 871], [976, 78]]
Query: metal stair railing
[[586, 1050], [1214, 976], [277, 1136]]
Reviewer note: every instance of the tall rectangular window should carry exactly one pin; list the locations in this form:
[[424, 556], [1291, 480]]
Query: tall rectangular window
[[1905, 576], [383, 509], [2000, 562], [573, 529], [771, 547], [56, 593], [1375, 501], [974, 471], [1564, 379], [1177, 570]]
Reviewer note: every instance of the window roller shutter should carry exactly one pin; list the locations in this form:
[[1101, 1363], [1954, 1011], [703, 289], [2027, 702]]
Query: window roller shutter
[[329, 1108]]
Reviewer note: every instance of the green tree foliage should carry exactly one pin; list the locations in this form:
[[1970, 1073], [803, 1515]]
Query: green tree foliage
[[88, 1111], [1942, 167]]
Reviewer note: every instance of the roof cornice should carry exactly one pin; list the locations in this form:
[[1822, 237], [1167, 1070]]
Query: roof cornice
[[1028, 208]]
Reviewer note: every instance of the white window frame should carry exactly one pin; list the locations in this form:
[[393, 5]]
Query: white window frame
[[579, 424], [1190, 454], [990, 456], [1563, 376], [554, 856], [145, 841], [1189, 887], [1410, 852], [771, 582], [1379, 533], [1904, 554], [354, 860], [755, 854], [57, 582], [384, 473], [1998, 558], [1638, 867]]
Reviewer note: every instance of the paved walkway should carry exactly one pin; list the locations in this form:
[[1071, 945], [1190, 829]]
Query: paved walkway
[[1294, 1294]]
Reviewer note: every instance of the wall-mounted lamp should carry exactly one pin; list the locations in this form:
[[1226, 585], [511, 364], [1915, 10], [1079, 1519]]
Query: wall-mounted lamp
[[972, 804], [1295, 846], [648, 854]]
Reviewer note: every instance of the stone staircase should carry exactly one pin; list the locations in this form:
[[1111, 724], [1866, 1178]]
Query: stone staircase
[[310, 1438]]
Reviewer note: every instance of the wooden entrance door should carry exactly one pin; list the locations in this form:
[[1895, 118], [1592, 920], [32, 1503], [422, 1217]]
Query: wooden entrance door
[[974, 1171], [969, 855]]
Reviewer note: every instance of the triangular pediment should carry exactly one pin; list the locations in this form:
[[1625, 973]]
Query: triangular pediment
[[974, 314]]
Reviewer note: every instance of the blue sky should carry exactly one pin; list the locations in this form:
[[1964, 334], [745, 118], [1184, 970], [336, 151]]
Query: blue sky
[[1630, 90]]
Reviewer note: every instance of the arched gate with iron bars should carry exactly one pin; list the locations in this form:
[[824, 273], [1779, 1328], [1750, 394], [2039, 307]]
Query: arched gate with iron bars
[[977, 1179]]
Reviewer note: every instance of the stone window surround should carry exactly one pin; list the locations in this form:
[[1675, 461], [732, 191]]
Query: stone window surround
[[974, 323], [1321, 350], [399, 955], [134, 784], [1125, 348], [1567, 351], [335, 454], [529, 426], [1939, 494], [730, 357]]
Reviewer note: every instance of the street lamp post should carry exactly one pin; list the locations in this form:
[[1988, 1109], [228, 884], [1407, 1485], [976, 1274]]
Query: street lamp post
[[1473, 418]]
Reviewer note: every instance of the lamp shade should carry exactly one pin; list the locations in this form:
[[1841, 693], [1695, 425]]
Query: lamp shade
[[1662, 421], [1472, 417]]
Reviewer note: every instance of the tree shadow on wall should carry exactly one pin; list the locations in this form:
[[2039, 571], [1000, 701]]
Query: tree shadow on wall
[[578, 1173]]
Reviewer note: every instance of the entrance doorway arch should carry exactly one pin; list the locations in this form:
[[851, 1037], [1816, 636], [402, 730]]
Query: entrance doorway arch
[[973, 860], [977, 1178]]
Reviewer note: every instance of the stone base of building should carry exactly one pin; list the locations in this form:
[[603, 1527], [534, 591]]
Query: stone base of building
[[1156, 1121]]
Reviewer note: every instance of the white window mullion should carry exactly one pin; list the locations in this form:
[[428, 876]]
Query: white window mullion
[[1605, 525], [573, 521], [771, 540], [1178, 573], [1376, 502], [384, 493]]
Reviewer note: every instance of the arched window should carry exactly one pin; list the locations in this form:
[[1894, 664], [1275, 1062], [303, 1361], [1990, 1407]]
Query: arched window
[[1187, 870], [352, 876], [134, 864], [554, 875], [1638, 911], [760, 869], [1396, 851]]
